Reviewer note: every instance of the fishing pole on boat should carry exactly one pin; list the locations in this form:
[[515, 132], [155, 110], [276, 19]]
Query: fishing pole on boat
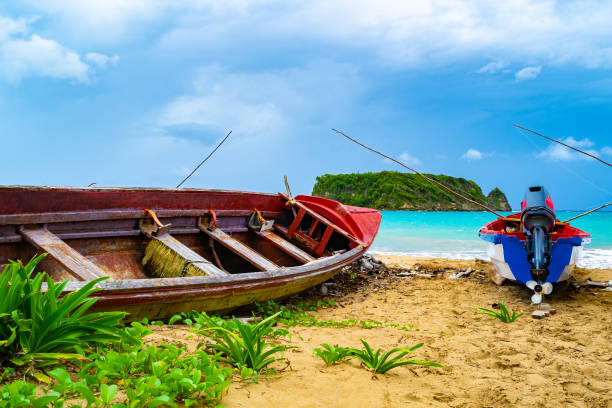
[[588, 212], [578, 150], [203, 161], [290, 196], [563, 144], [419, 173]]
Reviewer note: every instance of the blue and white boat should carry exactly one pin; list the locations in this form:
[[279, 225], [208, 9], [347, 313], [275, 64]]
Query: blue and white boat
[[533, 246]]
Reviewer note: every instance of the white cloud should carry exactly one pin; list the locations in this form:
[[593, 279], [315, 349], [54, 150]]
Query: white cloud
[[473, 154], [37, 56], [409, 159], [9, 27], [541, 32], [492, 67], [100, 60], [607, 151], [264, 104], [22, 56], [556, 152], [102, 21], [527, 73], [276, 117]]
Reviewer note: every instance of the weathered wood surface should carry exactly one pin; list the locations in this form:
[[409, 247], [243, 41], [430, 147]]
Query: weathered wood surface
[[286, 246], [301, 238], [319, 218], [96, 215], [75, 263], [103, 229], [162, 298], [240, 249], [189, 255]]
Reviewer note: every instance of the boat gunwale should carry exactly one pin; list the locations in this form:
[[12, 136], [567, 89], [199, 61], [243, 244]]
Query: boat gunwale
[[120, 286], [115, 189], [488, 230], [119, 214]]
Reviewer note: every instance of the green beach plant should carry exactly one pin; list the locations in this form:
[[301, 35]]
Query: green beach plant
[[298, 315], [380, 362], [504, 315], [332, 354], [198, 321], [150, 377], [246, 347], [42, 325]]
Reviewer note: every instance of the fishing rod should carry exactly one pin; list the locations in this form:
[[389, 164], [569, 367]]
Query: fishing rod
[[203, 161], [419, 173], [579, 151], [588, 212], [563, 144]]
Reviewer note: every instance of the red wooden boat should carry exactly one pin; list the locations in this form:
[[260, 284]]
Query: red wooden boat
[[247, 247]]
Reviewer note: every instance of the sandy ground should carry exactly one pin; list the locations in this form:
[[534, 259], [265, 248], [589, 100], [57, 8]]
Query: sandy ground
[[564, 360]]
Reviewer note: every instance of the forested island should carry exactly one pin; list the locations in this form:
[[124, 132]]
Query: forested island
[[392, 190]]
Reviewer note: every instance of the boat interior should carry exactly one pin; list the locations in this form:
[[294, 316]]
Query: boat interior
[[84, 245], [512, 226]]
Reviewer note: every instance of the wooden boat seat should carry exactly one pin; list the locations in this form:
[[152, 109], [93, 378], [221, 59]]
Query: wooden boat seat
[[74, 263], [240, 249], [318, 245], [189, 255], [285, 246]]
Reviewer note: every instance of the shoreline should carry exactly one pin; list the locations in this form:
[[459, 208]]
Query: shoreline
[[592, 258], [407, 261]]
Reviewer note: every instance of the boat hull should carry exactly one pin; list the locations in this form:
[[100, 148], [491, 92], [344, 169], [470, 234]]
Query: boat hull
[[163, 298], [510, 260], [507, 251], [99, 232]]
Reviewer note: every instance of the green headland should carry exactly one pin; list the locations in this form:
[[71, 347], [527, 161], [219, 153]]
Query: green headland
[[392, 190]]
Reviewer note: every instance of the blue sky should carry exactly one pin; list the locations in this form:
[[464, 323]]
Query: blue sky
[[136, 93]]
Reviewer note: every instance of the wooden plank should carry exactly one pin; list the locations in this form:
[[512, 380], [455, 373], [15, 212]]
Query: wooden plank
[[101, 215], [189, 255], [301, 238], [326, 236], [295, 225], [237, 247], [74, 263], [313, 227], [286, 246], [321, 219]]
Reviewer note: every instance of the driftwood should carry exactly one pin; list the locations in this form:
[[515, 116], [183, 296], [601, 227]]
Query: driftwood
[[543, 310], [420, 275], [588, 282], [461, 273]]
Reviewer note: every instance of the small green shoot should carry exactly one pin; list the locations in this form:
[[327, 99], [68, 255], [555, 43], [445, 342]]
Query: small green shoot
[[504, 315], [380, 362], [332, 354], [245, 347]]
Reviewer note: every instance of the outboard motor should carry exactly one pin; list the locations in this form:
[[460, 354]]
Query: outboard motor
[[538, 219]]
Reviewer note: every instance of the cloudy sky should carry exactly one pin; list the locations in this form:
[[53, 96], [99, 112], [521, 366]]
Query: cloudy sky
[[137, 92]]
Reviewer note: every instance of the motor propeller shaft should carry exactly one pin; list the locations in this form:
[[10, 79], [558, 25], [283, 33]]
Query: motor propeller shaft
[[538, 219]]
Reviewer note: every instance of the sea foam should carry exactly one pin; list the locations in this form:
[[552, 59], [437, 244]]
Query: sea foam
[[591, 258]]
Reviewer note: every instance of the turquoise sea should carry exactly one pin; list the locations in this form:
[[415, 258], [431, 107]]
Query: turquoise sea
[[454, 234]]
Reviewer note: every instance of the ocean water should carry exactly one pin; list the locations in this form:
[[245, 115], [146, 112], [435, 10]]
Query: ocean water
[[454, 234]]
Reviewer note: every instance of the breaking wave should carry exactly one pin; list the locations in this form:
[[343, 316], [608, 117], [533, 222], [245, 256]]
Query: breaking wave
[[596, 258]]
